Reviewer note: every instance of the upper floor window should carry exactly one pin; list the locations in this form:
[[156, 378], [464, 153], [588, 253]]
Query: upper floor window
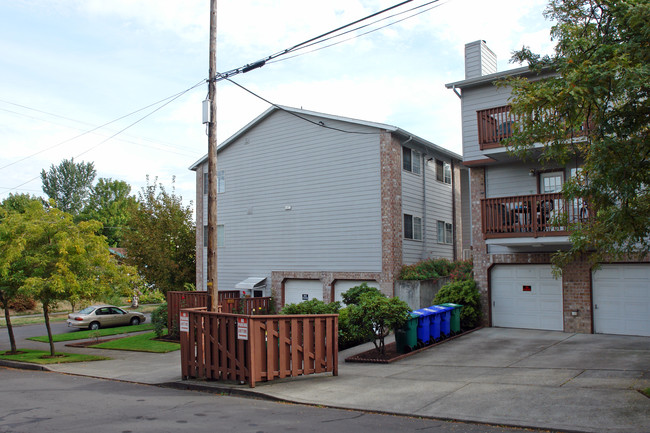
[[411, 160], [412, 227], [221, 182], [443, 171], [220, 236], [445, 233]]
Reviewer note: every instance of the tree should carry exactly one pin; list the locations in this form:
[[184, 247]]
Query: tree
[[69, 184], [110, 204], [56, 260], [161, 238], [376, 315], [11, 248], [595, 111]]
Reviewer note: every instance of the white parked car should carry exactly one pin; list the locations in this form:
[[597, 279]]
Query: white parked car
[[103, 316]]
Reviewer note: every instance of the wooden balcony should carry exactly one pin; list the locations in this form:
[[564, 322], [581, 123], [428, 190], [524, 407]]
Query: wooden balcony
[[537, 215], [494, 125]]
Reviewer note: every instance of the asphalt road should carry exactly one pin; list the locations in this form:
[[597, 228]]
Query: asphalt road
[[35, 401]]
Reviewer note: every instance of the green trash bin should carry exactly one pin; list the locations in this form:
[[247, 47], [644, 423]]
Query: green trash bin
[[455, 316], [406, 337]]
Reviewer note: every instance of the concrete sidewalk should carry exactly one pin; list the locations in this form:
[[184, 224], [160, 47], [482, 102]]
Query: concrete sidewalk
[[527, 378]]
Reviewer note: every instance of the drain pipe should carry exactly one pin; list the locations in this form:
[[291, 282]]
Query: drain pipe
[[456, 92]]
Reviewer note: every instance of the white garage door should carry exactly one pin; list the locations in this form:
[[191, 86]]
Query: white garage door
[[296, 291], [621, 295], [343, 286], [526, 296]]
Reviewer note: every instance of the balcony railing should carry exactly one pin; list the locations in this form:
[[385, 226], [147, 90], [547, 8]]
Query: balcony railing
[[498, 123], [535, 215], [494, 125]]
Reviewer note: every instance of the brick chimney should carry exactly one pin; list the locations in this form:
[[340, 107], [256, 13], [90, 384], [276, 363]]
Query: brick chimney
[[479, 60]]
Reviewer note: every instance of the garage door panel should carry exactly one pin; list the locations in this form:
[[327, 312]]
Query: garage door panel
[[513, 305], [621, 297], [296, 291], [342, 286]]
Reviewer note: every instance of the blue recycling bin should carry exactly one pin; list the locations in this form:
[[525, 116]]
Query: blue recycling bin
[[434, 321], [423, 326], [445, 319]]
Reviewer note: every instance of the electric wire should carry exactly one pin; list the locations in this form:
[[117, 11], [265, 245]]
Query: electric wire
[[169, 101], [280, 107], [172, 97]]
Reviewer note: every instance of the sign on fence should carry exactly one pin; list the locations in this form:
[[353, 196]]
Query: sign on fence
[[242, 328], [184, 324]]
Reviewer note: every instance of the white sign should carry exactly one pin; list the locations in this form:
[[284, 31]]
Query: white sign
[[242, 328], [184, 324]]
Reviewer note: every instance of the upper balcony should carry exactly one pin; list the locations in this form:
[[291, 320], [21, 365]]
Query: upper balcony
[[531, 216], [494, 125]]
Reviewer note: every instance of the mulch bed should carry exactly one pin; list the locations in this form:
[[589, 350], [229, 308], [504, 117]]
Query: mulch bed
[[391, 355]]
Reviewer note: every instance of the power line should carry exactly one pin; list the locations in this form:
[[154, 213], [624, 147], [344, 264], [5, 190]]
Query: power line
[[171, 98], [319, 124]]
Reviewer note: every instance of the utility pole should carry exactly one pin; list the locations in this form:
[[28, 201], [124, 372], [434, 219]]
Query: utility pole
[[212, 161]]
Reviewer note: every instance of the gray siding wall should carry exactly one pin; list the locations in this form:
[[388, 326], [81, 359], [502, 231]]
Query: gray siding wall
[[509, 180], [475, 99], [299, 197], [438, 198]]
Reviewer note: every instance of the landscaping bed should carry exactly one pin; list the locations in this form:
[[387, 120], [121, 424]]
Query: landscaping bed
[[391, 355]]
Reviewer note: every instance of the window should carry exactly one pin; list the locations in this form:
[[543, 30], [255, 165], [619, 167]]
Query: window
[[220, 236], [412, 227], [221, 182], [443, 171], [445, 233], [411, 160]]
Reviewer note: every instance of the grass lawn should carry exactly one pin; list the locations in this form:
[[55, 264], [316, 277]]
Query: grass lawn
[[81, 335], [139, 343], [40, 357], [646, 392]]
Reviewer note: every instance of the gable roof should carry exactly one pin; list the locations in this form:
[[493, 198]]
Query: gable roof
[[300, 112]]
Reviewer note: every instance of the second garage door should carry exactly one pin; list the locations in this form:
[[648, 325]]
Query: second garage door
[[296, 291], [526, 296], [621, 295], [342, 286]]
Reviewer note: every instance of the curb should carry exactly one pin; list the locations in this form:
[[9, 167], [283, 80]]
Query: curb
[[22, 365]]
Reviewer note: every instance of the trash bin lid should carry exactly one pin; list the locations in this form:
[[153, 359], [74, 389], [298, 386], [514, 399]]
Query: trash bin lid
[[440, 308], [450, 304]]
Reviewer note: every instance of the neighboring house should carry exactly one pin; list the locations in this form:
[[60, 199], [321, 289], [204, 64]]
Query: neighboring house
[[512, 202], [311, 204]]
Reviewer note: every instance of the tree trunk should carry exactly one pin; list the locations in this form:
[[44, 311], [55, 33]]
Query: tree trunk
[[46, 315], [10, 329]]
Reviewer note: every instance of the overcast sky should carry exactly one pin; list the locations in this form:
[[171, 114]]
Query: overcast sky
[[68, 66]]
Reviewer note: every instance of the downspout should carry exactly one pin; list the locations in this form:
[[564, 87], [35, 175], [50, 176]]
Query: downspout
[[453, 209], [456, 92], [424, 207]]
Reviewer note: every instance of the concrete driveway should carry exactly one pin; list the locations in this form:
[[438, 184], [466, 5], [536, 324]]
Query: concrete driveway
[[516, 377]]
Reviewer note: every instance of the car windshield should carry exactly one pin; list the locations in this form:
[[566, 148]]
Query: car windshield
[[87, 310]]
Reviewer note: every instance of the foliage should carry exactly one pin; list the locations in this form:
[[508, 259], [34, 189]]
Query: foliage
[[376, 315], [151, 296], [465, 293], [159, 320], [350, 335], [601, 65], [18, 202], [353, 295], [161, 239], [313, 306], [110, 203], [52, 259], [435, 268], [22, 302], [69, 184]]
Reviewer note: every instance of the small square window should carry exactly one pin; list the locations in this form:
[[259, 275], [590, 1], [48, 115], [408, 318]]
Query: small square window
[[221, 182], [445, 233], [220, 236], [443, 171]]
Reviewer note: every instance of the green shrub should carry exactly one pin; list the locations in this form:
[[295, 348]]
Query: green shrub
[[353, 295], [314, 306], [151, 296], [22, 303], [376, 315], [159, 320], [436, 268], [465, 293], [350, 335]]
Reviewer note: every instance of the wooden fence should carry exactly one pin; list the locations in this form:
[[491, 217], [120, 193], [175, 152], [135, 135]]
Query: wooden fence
[[228, 301], [244, 348]]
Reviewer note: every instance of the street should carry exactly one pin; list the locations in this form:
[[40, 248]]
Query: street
[[32, 401]]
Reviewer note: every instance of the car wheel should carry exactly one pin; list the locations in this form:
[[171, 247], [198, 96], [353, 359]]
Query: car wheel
[[94, 326], [135, 321]]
